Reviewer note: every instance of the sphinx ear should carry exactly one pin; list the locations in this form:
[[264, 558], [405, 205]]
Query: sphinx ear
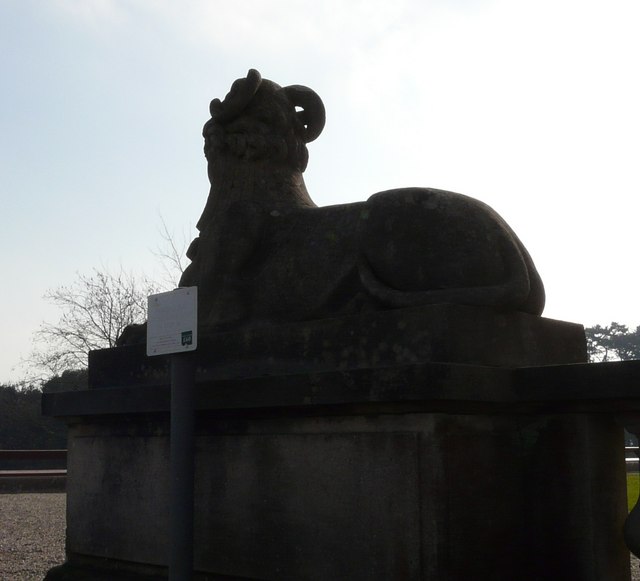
[[241, 93], [312, 115]]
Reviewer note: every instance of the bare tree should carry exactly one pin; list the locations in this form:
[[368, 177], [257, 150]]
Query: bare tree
[[95, 310], [172, 255]]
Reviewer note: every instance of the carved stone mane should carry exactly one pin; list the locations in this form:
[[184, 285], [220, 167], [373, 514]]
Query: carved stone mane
[[267, 253]]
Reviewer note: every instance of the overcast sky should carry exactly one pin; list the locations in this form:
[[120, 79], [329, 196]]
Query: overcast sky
[[532, 107]]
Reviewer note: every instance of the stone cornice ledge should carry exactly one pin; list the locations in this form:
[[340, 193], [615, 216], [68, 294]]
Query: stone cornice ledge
[[427, 387]]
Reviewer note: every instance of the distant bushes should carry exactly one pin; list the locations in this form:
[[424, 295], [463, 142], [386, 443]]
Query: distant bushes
[[22, 425]]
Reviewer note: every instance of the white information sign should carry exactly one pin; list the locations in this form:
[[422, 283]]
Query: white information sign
[[172, 325]]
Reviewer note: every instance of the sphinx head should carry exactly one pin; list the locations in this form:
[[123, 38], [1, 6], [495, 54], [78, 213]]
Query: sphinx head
[[259, 120]]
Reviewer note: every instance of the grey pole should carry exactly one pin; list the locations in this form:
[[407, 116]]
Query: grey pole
[[182, 466]]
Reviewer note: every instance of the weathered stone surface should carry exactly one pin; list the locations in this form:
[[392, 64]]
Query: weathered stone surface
[[432, 333], [431, 387], [122, 481], [430, 471], [340, 502], [267, 254]]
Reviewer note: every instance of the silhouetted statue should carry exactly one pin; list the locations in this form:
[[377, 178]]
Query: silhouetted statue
[[266, 253]]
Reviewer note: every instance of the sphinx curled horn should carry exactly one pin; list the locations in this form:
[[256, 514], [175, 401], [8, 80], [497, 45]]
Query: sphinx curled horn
[[312, 115]]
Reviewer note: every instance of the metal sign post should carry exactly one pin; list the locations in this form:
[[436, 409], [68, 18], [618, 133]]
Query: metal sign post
[[182, 466], [172, 329]]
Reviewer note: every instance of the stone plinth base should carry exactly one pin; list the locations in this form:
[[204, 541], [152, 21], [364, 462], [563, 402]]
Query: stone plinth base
[[418, 470], [435, 333]]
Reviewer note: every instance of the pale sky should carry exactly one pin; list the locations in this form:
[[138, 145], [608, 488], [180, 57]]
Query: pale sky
[[532, 107]]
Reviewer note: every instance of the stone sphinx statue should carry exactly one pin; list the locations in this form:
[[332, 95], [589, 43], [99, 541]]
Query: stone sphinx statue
[[266, 253]]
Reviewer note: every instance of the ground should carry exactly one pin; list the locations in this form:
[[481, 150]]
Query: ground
[[32, 536]]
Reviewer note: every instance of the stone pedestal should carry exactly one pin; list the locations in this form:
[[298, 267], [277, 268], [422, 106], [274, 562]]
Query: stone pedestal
[[378, 462]]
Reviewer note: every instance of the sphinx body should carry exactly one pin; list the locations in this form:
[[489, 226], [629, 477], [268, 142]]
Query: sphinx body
[[266, 253]]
